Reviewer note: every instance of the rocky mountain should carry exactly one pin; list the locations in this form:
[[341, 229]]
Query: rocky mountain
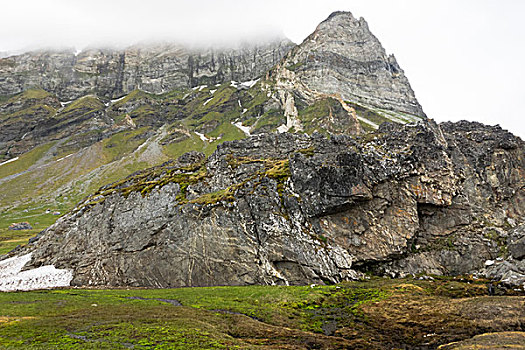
[[71, 148], [316, 165], [342, 57], [156, 69], [297, 209]]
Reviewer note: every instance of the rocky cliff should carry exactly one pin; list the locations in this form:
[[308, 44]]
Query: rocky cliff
[[343, 57], [291, 209], [71, 148], [152, 68], [269, 206]]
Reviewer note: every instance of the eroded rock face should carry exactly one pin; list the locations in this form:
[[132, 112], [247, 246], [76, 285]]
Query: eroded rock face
[[296, 209], [154, 68], [343, 57]]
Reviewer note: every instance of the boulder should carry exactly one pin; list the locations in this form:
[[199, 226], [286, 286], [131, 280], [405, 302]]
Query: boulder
[[20, 226]]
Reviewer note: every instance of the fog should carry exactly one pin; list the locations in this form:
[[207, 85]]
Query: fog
[[463, 58]]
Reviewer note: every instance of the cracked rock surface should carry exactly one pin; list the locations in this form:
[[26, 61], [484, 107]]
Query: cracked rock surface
[[298, 209]]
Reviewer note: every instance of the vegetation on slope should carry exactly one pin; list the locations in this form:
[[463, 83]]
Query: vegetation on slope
[[93, 142]]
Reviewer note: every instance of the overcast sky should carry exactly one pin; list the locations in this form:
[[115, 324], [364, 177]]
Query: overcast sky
[[464, 58]]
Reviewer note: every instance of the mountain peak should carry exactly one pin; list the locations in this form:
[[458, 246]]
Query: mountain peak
[[343, 56], [340, 14], [344, 19]]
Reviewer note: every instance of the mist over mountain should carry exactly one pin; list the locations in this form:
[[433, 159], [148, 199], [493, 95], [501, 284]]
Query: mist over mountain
[[164, 164]]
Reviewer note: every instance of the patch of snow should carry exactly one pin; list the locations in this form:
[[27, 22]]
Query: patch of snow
[[212, 91], [24, 136], [244, 111], [283, 128], [12, 277], [9, 161], [366, 121], [208, 100], [245, 84], [250, 83], [244, 129], [202, 137], [141, 145], [77, 52], [118, 99], [239, 102], [489, 262], [219, 84], [200, 87], [69, 155], [63, 104]]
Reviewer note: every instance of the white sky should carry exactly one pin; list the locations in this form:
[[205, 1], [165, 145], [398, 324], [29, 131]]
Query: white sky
[[464, 58]]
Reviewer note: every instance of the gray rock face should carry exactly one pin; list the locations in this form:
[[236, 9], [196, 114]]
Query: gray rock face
[[343, 57], [517, 249], [509, 269], [155, 68], [292, 209]]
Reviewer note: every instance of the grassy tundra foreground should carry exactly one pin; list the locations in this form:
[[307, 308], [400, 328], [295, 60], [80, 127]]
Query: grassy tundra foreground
[[371, 314]]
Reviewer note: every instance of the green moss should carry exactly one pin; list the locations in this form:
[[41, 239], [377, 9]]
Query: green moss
[[278, 169], [122, 143], [295, 66], [270, 120], [30, 94], [145, 181], [500, 241], [227, 194], [314, 116], [88, 102], [25, 160], [309, 152], [374, 314]]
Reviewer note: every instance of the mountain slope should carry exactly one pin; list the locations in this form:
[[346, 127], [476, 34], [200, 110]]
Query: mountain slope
[[156, 68], [290, 209], [315, 186], [140, 129]]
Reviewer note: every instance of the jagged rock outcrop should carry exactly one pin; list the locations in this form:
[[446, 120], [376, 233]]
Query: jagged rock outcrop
[[342, 70], [284, 208], [153, 68], [344, 58]]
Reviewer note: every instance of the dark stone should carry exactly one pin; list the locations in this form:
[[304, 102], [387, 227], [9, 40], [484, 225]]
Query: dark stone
[[517, 249]]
